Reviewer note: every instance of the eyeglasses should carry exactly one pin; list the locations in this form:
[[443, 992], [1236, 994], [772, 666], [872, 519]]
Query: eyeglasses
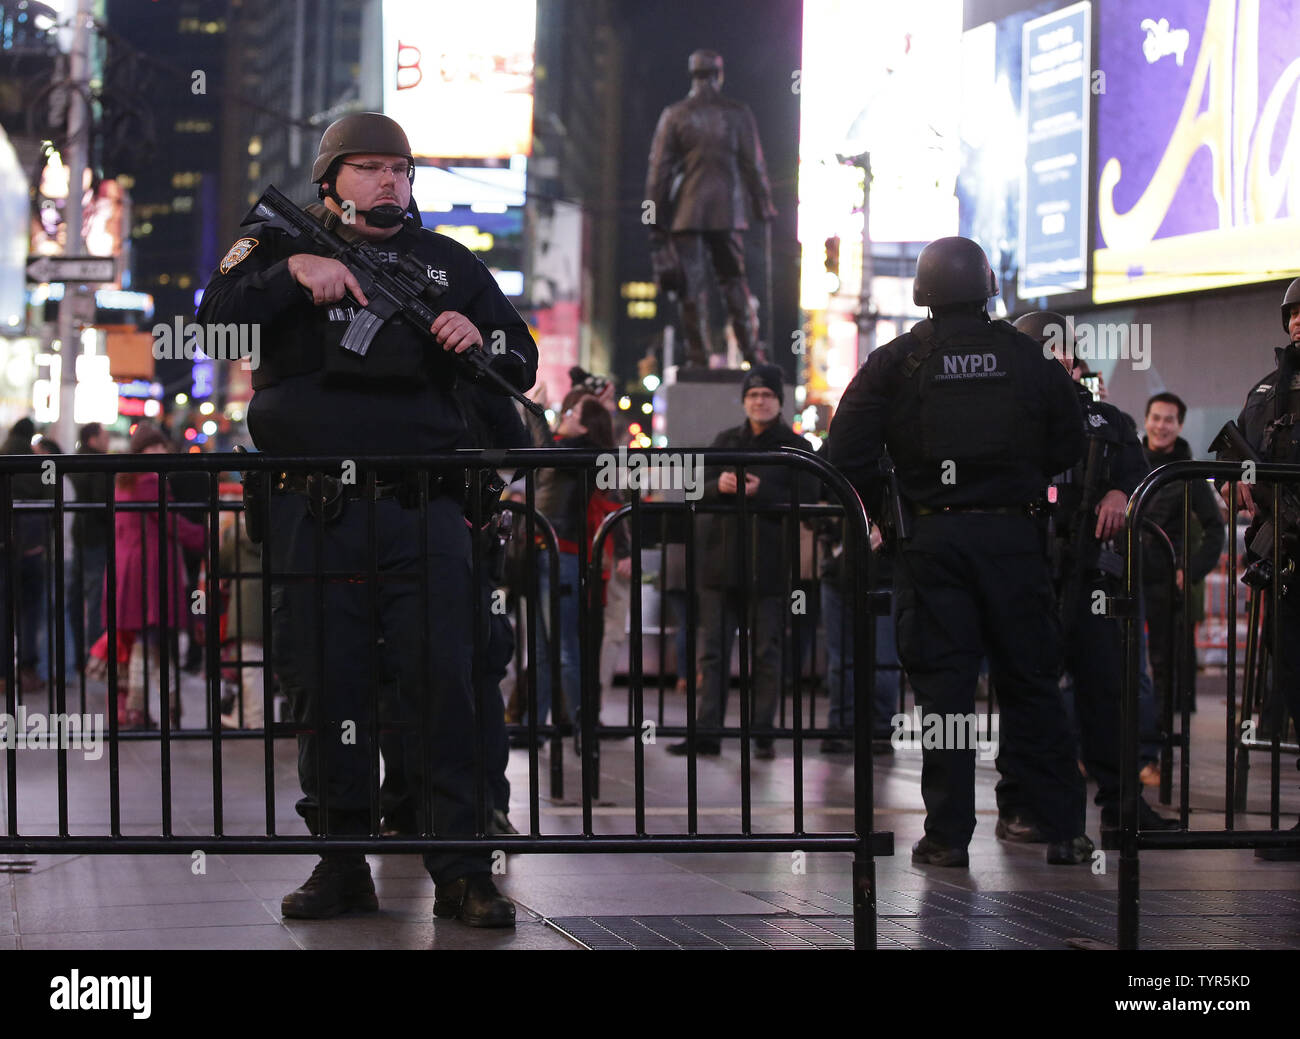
[[400, 170]]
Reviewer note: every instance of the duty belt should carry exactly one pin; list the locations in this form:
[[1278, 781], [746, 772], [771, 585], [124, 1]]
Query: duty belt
[[329, 490], [987, 510]]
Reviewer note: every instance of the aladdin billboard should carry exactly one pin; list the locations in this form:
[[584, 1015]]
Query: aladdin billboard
[[1198, 147], [1114, 153]]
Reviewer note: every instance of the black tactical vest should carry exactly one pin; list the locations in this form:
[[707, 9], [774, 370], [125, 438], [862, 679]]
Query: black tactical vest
[[970, 388]]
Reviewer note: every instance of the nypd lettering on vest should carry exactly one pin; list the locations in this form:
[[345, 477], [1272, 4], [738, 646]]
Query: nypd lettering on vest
[[969, 366]]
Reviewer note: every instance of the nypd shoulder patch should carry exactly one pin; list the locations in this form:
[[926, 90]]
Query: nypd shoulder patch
[[237, 252]]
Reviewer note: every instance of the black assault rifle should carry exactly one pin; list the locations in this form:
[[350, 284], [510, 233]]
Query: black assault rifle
[[406, 290], [895, 519], [1081, 531], [1231, 446]]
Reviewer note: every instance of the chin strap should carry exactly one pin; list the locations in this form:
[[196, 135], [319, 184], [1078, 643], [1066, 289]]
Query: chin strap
[[379, 216]]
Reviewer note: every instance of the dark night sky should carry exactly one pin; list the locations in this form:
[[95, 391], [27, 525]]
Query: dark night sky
[[760, 43]]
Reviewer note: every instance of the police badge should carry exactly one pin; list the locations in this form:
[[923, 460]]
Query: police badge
[[237, 252]]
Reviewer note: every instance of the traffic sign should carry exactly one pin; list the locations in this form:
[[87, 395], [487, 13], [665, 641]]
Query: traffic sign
[[88, 269]]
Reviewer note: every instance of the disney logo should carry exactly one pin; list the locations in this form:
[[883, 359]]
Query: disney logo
[[1162, 40]]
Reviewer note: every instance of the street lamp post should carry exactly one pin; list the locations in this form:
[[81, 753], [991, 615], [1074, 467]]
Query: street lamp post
[[77, 153], [866, 307]]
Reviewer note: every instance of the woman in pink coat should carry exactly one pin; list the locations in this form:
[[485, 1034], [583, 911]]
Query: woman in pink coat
[[141, 617]]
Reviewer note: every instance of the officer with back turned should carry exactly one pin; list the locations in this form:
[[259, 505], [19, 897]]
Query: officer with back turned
[[976, 421], [314, 398], [1091, 498]]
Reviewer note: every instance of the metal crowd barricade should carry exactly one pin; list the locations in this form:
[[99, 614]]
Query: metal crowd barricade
[[172, 739], [1266, 479], [1171, 738], [876, 603]]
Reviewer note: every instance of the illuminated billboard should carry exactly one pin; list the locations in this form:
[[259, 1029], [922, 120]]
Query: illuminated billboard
[[874, 79], [873, 82], [1025, 125], [1056, 52], [489, 189], [459, 77], [1198, 147], [14, 207]]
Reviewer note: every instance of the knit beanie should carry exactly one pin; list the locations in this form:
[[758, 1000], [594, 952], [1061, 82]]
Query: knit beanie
[[763, 375]]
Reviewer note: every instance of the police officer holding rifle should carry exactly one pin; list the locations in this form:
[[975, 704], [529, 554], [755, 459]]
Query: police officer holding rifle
[[362, 354], [1269, 424]]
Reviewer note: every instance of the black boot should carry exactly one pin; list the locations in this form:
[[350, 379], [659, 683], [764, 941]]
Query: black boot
[[1280, 854], [1018, 829], [339, 883], [1148, 818], [1074, 852], [475, 901], [926, 852]]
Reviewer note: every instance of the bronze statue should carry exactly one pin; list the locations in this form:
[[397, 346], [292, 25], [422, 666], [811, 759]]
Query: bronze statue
[[704, 161]]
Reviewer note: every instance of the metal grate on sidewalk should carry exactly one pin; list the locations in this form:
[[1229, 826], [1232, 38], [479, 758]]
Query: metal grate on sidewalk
[[965, 920]]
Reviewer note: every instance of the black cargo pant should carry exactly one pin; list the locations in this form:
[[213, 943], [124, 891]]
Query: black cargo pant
[[969, 585], [324, 650], [1288, 656], [1164, 616], [1094, 657], [491, 662]]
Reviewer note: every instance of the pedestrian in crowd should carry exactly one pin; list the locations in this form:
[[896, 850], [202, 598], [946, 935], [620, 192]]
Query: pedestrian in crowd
[[1163, 443], [30, 559], [46, 657], [143, 622], [1270, 422], [837, 616], [314, 398], [244, 633], [725, 574], [1087, 544], [574, 505], [89, 544], [616, 588], [191, 485], [675, 598], [976, 421]]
